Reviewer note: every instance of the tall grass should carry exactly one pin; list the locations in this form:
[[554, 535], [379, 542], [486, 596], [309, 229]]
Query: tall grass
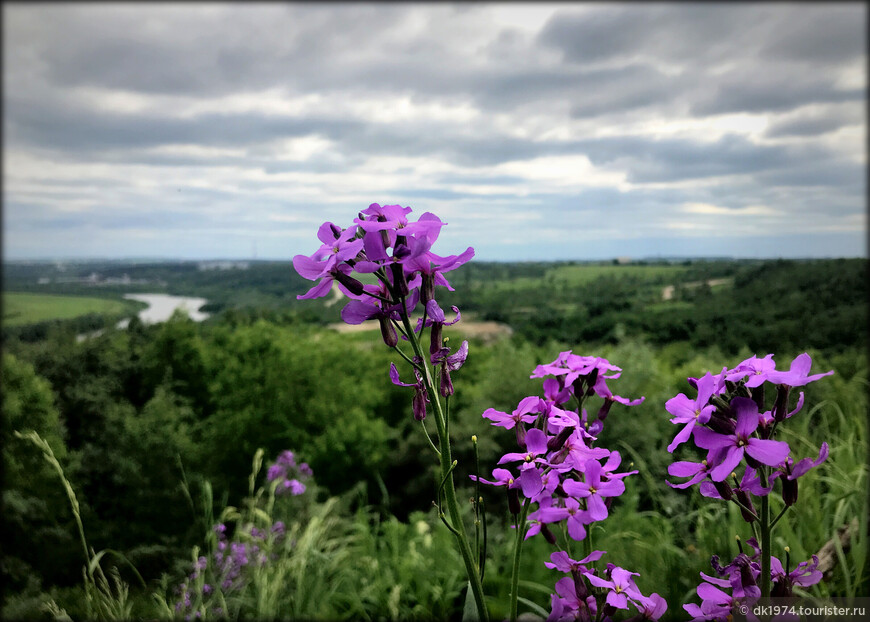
[[103, 599]]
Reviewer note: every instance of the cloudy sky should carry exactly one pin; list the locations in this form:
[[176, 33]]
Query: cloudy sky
[[565, 131]]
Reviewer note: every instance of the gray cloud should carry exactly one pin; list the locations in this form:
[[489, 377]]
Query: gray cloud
[[444, 106]]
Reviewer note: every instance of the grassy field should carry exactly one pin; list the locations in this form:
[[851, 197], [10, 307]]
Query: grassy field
[[21, 308], [574, 276]]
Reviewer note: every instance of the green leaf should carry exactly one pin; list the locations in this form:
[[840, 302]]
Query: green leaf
[[469, 611]]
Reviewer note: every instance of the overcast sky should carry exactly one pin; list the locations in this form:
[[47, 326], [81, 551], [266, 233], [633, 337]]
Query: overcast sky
[[565, 131]]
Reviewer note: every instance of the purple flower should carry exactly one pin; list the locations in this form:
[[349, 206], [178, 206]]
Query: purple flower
[[286, 458], [436, 319], [526, 411], [418, 405], [727, 450], [567, 605], [697, 471], [449, 362], [651, 607], [621, 585], [593, 489], [755, 368], [503, 477], [805, 574], [536, 445], [338, 246], [275, 471], [797, 376], [561, 562], [691, 412], [430, 268], [790, 472]]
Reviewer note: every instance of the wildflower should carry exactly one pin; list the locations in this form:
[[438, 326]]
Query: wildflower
[[790, 472], [338, 246], [697, 471], [691, 412], [536, 445], [726, 451], [421, 397], [797, 375], [566, 604], [449, 362], [436, 319], [526, 412], [430, 268], [593, 489], [621, 585], [561, 562], [757, 370], [651, 607], [805, 574]]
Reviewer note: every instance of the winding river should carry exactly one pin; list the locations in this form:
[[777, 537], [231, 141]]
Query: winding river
[[160, 308]]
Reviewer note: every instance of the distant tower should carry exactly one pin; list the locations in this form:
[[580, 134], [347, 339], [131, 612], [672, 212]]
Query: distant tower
[[254, 248]]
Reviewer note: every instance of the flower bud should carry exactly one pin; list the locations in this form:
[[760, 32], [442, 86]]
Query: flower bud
[[722, 425], [724, 490], [591, 380], [758, 397], [513, 496], [352, 285], [722, 406], [427, 289], [780, 407], [752, 462], [388, 332], [445, 386], [520, 430], [548, 535], [556, 442], [789, 488], [580, 585], [744, 498], [400, 283], [419, 405], [435, 337], [605, 409], [780, 589], [747, 580]]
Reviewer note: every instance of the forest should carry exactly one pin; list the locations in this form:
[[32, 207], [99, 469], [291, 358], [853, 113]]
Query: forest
[[156, 428]]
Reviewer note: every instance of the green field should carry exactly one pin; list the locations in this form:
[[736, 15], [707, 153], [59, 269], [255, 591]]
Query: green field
[[20, 308], [575, 276], [580, 275]]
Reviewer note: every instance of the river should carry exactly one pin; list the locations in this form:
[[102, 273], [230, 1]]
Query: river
[[160, 308]]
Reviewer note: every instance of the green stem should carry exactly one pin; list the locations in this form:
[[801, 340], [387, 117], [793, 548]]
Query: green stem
[[778, 516], [446, 461], [765, 538], [518, 550]]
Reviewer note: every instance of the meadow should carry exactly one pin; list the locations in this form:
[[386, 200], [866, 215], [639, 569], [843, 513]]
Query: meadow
[[164, 431], [28, 308]]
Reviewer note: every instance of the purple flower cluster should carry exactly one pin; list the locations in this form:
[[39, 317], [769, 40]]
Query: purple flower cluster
[[729, 420], [738, 583], [385, 243], [288, 474], [576, 600], [227, 568], [567, 478]]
